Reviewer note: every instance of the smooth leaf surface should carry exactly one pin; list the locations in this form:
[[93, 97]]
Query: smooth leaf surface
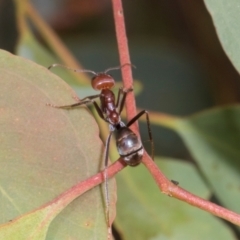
[[30, 226], [44, 151], [144, 213], [226, 18]]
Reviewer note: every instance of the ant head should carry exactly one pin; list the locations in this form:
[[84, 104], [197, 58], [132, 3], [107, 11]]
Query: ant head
[[105, 81], [102, 81]]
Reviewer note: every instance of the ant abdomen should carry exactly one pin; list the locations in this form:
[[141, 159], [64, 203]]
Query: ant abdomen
[[129, 146]]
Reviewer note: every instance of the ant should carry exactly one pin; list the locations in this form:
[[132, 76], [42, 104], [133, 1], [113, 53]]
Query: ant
[[128, 144]]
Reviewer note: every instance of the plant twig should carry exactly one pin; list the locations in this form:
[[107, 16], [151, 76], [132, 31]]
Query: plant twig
[[124, 58], [166, 186], [170, 189]]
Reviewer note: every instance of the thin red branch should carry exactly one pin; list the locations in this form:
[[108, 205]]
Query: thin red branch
[[124, 58], [91, 182], [68, 196], [166, 186], [170, 189]]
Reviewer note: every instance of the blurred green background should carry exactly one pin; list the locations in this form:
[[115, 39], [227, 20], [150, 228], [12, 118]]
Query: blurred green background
[[174, 45], [179, 60]]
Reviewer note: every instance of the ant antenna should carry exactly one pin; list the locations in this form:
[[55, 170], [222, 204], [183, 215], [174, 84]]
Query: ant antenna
[[119, 67], [72, 69]]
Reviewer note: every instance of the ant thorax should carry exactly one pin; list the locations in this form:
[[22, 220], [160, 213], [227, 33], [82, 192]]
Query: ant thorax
[[112, 128]]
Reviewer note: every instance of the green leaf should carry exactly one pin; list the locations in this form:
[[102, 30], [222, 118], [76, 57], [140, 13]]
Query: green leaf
[[30, 48], [144, 213], [30, 226], [45, 151], [213, 139], [226, 18]]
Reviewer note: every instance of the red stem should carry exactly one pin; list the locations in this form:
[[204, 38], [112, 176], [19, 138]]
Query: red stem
[[170, 189], [166, 186], [124, 58], [88, 184], [60, 202]]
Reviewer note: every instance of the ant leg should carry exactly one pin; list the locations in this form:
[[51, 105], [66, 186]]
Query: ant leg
[[69, 106], [107, 203], [99, 111], [123, 92], [81, 102], [148, 126], [76, 98]]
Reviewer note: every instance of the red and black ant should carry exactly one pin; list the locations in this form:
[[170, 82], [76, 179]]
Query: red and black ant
[[128, 144]]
